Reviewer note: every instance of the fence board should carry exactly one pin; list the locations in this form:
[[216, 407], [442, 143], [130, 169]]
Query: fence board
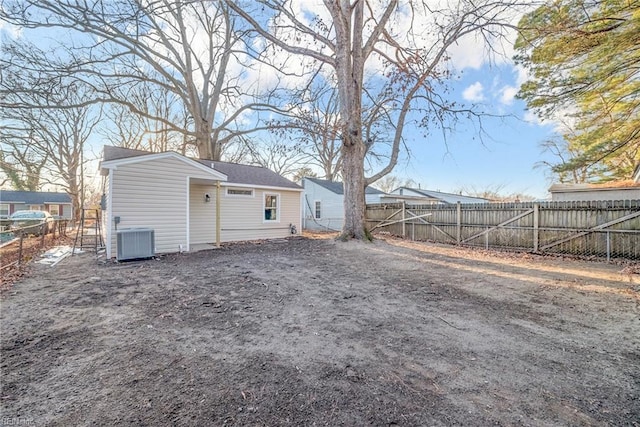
[[598, 228]]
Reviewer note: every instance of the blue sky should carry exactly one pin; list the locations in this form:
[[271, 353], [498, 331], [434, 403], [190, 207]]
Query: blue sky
[[504, 159]]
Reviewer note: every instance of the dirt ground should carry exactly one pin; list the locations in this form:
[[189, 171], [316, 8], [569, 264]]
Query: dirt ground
[[32, 247], [310, 331]]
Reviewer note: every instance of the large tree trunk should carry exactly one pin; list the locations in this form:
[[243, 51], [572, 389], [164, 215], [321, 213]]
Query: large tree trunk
[[349, 70], [354, 195], [74, 191], [207, 148]]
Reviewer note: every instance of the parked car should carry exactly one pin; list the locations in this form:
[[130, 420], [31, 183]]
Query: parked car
[[31, 222]]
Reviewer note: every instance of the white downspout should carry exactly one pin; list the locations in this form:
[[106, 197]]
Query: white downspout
[[218, 200], [188, 248], [110, 214]]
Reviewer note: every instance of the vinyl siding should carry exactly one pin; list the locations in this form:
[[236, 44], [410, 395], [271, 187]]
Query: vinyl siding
[[158, 194], [331, 208], [153, 195], [585, 196], [241, 218], [202, 215]]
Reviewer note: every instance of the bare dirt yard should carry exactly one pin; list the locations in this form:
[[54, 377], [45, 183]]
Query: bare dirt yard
[[310, 331]]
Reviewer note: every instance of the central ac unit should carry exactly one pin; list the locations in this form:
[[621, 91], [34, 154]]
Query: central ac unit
[[134, 243]]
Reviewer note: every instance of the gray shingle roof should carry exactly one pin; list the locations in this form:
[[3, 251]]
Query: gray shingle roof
[[115, 153], [33, 197], [338, 188], [250, 175], [236, 173], [447, 197]]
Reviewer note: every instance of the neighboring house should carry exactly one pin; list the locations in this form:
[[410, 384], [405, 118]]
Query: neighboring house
[[324, 203], [57, 204], [620, 190], [194, 203], [419, 196]]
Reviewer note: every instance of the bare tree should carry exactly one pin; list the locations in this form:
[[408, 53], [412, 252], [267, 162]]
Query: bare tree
[[316, 124], [141, 132], [303, 172], [276, 155], [403, 47], [56, 135], [185, 47], [563, 153], [389, 183], [19, 162], [495, 193]]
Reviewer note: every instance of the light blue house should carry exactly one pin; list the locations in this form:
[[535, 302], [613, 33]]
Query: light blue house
[[323, 203], [418, 196], [57, 204]]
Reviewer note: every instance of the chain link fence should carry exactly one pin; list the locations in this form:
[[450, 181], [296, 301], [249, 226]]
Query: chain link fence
[[19, 243]]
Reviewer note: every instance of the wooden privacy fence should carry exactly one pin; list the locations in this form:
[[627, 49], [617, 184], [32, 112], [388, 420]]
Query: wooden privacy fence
[[599, 228]]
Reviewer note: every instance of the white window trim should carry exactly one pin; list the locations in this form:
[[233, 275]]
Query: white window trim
[[8, 205], [278, 207], [57, 207], [226, 192], [315, 209]]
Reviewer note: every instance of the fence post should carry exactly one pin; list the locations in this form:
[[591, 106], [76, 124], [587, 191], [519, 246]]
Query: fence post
[[404, 222], [486, 238], [458, 223], [608, 246], [536, 226], [20, 249]]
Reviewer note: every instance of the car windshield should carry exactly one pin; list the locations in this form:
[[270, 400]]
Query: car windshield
[[27, 215]]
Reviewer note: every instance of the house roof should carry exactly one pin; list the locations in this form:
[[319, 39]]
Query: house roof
[[34, 197], [235, 172], [250, 175], [445, 197], [338, 187]]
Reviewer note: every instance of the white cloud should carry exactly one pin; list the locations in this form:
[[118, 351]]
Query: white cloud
[[508, 94], [11, 30], [474, 93], [532, 118], [468, 52]]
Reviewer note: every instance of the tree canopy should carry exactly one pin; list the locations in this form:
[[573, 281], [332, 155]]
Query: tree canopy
[[583, 57]]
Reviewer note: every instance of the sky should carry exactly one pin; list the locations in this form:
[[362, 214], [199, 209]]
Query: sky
[[504, 159]]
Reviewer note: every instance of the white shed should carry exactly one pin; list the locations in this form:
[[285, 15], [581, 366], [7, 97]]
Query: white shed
[[324, 203], [190, 204], [620, 190]]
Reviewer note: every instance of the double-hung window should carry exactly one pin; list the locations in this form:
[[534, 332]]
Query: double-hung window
[[271, 207], [318, 212]]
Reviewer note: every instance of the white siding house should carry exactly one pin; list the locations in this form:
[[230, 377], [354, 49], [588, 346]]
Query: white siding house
[[622, 190], [190, 203], [420, 196], [324, 203]]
